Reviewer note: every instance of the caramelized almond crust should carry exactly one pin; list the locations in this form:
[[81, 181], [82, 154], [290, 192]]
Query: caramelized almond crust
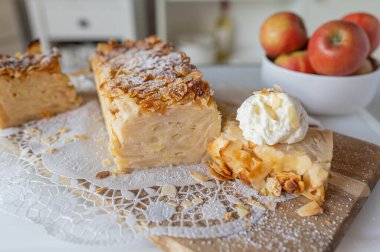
[[33, 60], [300, 168], [150, 72], [33, 86]]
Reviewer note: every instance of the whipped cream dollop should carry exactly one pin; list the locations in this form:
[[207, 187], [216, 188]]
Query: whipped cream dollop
[[271, 116]]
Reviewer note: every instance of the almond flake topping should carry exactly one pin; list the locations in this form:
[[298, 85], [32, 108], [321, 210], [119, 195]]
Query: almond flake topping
[[50, 150], [80, 137], [199, 176], [32, 131], [186, 203], [103, 174], [242, 210], [63, 131], [197, 201], [256, 204], [169, 190], [151, 72], [311, 208], [271, 205], [229, 216]]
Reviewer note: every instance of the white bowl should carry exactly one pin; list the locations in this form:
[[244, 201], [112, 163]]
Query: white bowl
[[323, 94]]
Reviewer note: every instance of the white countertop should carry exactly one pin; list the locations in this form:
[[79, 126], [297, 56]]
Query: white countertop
[[363, 235]]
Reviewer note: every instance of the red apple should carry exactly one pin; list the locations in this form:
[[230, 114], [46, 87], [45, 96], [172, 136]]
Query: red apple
[[365, 68], [297, 61], [338, 48], [283, 32], [370, 25]]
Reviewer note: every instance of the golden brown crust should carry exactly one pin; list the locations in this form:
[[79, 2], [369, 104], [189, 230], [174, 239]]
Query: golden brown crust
[[151, 72], [32, 60]]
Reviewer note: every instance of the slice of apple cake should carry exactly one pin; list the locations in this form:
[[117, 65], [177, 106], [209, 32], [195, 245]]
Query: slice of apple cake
[[270, 147], [157, 108], [299, 168], [33, 86]]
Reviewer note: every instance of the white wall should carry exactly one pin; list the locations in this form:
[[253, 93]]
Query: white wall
[[185, 16], [11, 35]]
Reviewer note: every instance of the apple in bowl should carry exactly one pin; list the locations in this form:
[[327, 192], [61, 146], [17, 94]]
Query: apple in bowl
[[296, 61], [332, 72], [338, 48], [283, 32], [370, 25]]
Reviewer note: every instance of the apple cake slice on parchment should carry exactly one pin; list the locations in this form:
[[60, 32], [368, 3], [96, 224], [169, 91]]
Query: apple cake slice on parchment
[[301, 167], [33, 86], [157, 108]]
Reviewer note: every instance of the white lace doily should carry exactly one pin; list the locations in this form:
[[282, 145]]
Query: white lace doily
[[47, 174]]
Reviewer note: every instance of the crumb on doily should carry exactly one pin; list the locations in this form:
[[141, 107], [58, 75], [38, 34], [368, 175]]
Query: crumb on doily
[[103, 174], [186, 203], [200, 177], [50, 150], [197, 201], [229, 216], [80, 137], [168, 190]]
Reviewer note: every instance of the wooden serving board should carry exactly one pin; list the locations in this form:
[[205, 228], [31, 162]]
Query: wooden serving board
[[355, 171]]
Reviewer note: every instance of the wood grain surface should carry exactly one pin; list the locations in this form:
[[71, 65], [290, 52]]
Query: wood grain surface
[[355, 171]]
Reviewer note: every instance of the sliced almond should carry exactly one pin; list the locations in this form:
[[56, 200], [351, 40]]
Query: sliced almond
[[174, 204], [247, 224], [80, 137], [311, 208], [257, 111], [242, 206], [197, 201], [186, 203], [63, 131], [273, 186], [293, 118], [123, 171], [103, 174], [256, 204], [169, 190], [50, 139], [32, 131], [251, 145], [199, 176], [271, 205], [212, 167], [270, 112], [243, 213], [101, 190], [68, 140], [277, 102], [228, 216], [50, 150]]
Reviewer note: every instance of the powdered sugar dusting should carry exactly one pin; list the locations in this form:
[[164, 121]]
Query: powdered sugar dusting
[[151, 72]]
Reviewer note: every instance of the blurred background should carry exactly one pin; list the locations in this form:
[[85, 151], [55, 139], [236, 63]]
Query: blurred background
[[210, 31]]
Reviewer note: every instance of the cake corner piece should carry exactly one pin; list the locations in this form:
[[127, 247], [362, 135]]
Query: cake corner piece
[[33, 86]]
